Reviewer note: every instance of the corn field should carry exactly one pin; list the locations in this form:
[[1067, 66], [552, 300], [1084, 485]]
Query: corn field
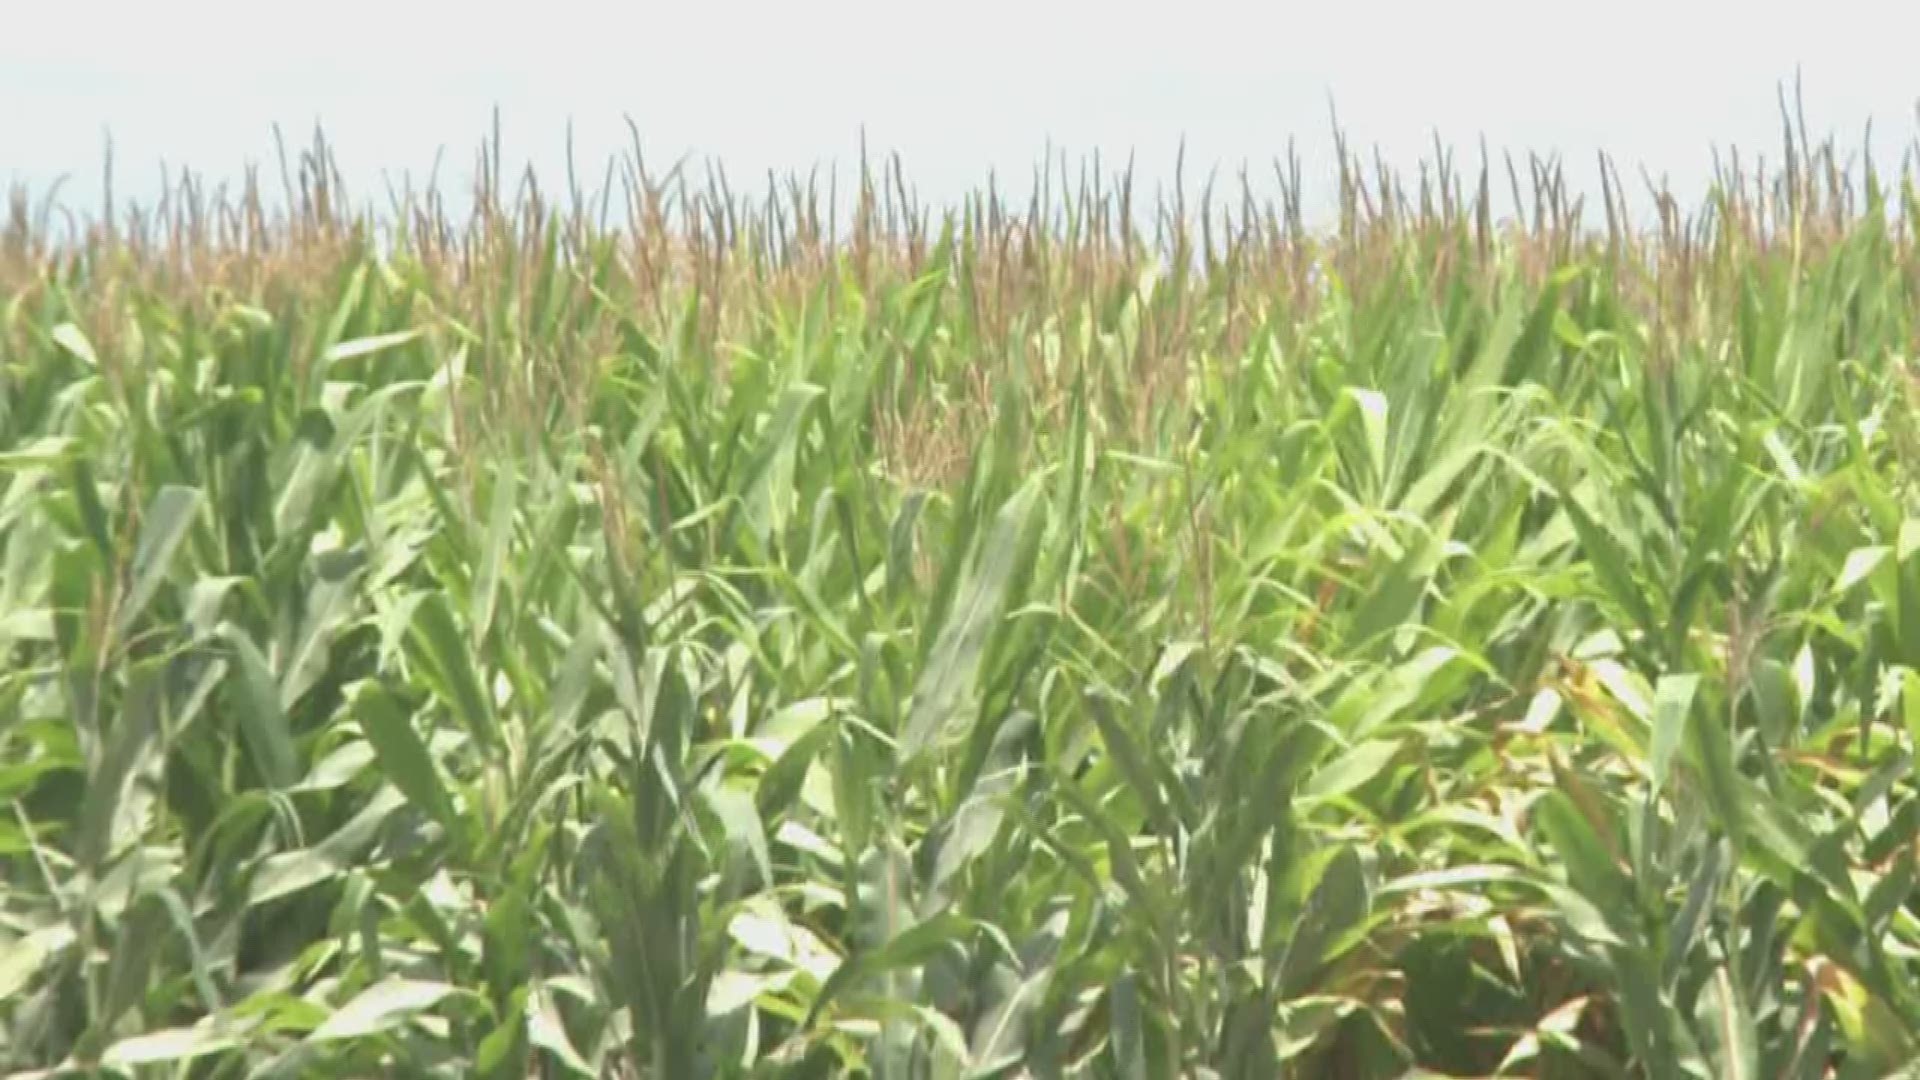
[[681, 631]]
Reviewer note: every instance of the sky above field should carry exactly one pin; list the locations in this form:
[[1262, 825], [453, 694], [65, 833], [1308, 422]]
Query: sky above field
[[957, 89]]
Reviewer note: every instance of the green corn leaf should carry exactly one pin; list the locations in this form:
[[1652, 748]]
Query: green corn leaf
[[493, 551], [263, 719], [1727, 1029], [382, 1006], [952, 669], [442, 649], [403, 755], [1672, 702], [163, 527]]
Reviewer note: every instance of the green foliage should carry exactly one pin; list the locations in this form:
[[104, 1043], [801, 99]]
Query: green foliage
[[1007, 650]]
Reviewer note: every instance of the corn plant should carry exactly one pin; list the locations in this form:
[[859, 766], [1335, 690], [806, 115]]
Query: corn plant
[[682, 634]]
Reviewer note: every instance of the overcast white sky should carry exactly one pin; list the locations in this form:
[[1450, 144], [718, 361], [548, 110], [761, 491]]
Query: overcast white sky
[[956, 88]]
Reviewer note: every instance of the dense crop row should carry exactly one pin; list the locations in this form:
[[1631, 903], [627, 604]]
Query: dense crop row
[[992, 643]]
